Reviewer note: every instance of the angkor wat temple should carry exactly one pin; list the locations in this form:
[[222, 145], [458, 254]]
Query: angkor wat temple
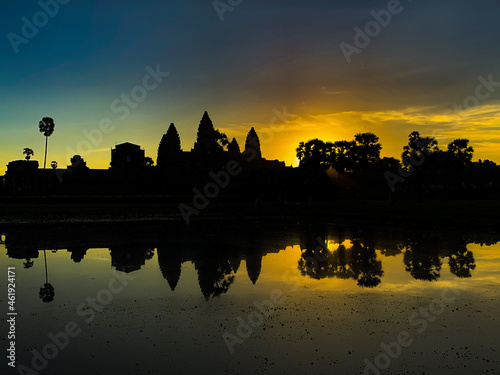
[[177, 172]]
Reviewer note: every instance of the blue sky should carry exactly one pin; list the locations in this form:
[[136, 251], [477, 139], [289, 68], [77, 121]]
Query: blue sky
[[264, 56]]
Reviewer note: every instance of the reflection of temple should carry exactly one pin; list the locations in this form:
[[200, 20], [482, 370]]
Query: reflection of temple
[[254, 265], [77, 253], [170, 263], [216, 250], [129, 258]]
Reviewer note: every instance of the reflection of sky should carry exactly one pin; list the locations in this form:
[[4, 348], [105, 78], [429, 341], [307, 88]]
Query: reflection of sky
[[74, 282]]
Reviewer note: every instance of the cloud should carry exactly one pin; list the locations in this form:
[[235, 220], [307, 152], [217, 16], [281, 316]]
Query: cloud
[[330, 92]]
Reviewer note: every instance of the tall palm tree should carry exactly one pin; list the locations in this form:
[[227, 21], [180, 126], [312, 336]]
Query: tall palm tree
[[46, 127], [28, 152]]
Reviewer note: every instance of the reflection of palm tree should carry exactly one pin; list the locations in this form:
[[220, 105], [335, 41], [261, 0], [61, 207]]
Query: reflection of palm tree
[[461, 263], [47, 290]]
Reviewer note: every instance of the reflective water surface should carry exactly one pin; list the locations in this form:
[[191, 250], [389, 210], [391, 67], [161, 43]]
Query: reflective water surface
[[123, 278]]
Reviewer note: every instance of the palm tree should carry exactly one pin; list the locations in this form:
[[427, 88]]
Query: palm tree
[[315, 154], [367, 149], [46, 127], [28, 152], [54, 164], [47, 290], [343, 156]]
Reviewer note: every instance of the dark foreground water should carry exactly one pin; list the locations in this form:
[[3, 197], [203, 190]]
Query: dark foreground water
[[249, 298]]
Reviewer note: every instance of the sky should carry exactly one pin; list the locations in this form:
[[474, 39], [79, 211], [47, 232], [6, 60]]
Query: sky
[[111, 71]]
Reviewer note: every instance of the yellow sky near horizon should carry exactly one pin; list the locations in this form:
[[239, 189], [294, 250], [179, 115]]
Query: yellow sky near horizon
[[280, 136]]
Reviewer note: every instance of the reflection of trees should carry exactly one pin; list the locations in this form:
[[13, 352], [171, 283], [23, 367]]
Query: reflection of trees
[[359, 262], [339, 264], [215, 276], [422, 265], [461, 262], [47, 292], [28, 263], [365, 265]]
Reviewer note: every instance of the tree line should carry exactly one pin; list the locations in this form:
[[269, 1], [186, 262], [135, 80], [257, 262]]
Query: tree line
[[423, 165]]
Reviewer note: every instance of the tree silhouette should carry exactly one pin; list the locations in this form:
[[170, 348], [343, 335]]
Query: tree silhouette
[[461, 151], [53, 164], [316, 154], [358, 263], [148, 162], [46, 127], [221, 138], [340, 263], [419, 147], [461, 262], [47, 290], [422, 265], [215, 276], [365, 265], [366, 151], [343, 156], [28, 152]]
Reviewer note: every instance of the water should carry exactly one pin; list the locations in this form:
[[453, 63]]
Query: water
[[123, 284]]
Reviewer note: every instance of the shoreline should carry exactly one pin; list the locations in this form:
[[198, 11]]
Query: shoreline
[[482, 215]]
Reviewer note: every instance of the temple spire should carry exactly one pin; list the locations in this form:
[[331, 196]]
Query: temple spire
[[169, 148], [205, 140], [252, 144]]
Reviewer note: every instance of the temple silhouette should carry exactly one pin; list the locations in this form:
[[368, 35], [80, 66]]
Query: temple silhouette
[[176, 172], [326, 171]]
